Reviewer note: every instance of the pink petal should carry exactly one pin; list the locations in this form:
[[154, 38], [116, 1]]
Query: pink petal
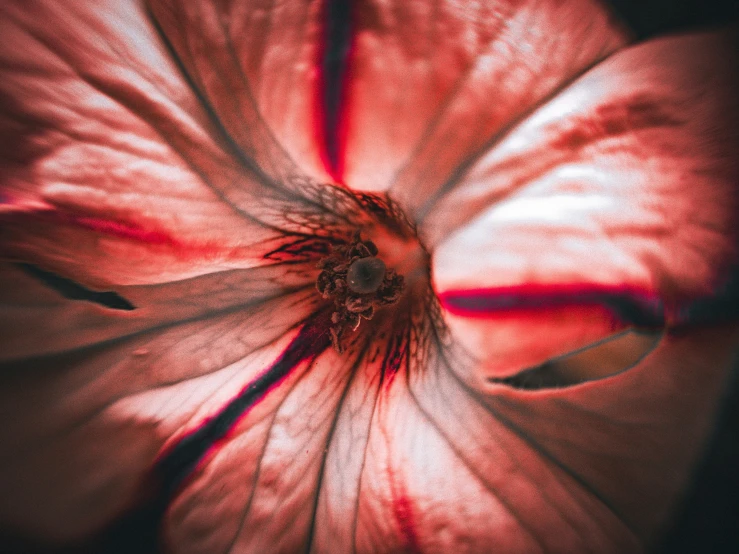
[[256, 64], [596, 467], [38, 321], [624, 184], [427, 462], [113, 171], [91, 399], [431, 83], [258, 490]]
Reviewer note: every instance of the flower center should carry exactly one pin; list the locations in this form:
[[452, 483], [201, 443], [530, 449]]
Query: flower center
[[365, 275], [358, 282]]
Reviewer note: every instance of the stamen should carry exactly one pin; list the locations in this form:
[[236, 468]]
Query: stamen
[[358, 282]]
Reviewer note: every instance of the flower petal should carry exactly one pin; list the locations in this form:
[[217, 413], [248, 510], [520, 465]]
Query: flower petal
[[592, 468], [430, 83], [358, 462], [31, 310], [267, 472], [88, 413], [256, 64], [115, 171], [619, 194]]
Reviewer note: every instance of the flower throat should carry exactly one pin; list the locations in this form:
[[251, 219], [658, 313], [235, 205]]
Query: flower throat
[[358, 282]]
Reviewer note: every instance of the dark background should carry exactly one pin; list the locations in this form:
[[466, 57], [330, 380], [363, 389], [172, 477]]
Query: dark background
[[708, 521], [648, 18]]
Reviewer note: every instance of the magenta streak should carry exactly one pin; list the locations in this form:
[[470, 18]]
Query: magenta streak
[[404, 515], [119, 229], [403, 512], [124, 230], [179, 462], [630, 305], [127, 231], [333, 57], [397, 351]]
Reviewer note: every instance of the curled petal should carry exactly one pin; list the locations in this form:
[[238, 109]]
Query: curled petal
[[618, 197], [611, 457]]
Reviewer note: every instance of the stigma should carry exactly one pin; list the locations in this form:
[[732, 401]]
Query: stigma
[[365, 275], [358, 282]]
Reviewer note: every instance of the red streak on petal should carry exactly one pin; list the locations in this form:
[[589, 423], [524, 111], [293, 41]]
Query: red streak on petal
[[25, 218], [184, 456], [403, 512], [203, 441], [397, 352], [121, 229], [617, 118], [330, 121], [124, 230], [629, 305]]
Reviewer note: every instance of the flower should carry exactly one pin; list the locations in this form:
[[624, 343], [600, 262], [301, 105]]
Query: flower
[[559, 203]]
